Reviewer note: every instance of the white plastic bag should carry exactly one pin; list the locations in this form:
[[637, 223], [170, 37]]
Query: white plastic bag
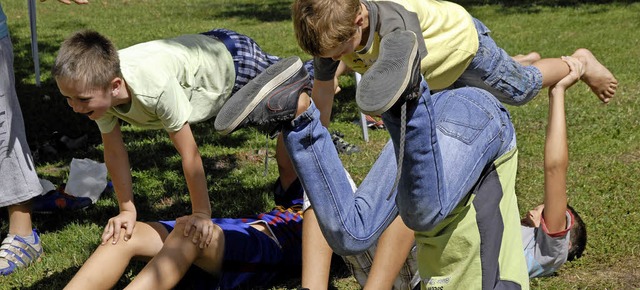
[[87, 178]]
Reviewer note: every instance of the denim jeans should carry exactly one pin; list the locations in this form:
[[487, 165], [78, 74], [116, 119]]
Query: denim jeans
[[445, 154], [450, 139], [494, 70]]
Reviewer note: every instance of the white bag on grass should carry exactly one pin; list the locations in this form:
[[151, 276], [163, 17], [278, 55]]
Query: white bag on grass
[[87, 178]]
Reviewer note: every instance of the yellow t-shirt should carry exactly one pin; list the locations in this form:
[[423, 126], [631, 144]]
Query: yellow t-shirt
[[448, 30]]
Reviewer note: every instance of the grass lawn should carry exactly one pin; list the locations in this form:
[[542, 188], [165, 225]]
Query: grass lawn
[[604, 141]]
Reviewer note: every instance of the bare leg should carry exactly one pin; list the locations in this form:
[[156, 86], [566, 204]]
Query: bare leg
[[20, 219], [108, 262], [597, 76], [285, 167], [316, 254], [527, 59], [393, 248], [170, 264]]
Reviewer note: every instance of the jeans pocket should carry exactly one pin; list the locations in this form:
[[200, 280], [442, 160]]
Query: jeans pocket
[[465, 119]]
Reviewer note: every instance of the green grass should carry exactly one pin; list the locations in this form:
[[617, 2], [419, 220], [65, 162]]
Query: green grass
[[603, 140]]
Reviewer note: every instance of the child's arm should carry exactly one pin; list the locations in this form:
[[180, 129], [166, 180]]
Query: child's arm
[[322, 94], [556, 160], [117, 161], [393, 248], [200, 218]]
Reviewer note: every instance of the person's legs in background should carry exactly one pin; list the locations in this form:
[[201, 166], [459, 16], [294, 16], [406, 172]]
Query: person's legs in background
[[18, 174]]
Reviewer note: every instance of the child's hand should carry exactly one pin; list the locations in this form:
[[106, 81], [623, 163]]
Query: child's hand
[[126, 220], [576, 71], [203, 227]]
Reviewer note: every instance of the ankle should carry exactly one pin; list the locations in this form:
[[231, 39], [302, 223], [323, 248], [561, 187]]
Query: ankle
[[303, 103]]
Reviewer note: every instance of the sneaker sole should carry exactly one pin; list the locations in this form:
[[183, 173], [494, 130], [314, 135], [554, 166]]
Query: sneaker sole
[[391, 62], [231, 115]]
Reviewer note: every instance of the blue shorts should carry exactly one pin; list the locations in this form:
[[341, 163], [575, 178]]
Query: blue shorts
[[250, 256], [494, 70], [248, 58]]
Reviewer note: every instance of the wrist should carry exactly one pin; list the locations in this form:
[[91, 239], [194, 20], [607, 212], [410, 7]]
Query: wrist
[[202, 213]]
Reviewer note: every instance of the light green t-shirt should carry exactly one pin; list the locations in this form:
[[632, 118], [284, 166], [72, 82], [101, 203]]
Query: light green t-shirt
[[479, 244], [173, 81]]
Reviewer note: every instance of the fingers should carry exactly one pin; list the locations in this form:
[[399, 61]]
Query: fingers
[[204, 234], [576, 67], [128, 230], [202, 229], [188, 226], [116, 232], [107, 233]]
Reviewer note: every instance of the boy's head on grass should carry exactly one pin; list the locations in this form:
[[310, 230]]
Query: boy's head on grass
[[328, 28], [578, 232], [87, 71], [578, 236]]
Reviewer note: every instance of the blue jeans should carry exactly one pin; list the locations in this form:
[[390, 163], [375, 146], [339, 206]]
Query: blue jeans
[[470, 126], [494, 70], [451, 137]]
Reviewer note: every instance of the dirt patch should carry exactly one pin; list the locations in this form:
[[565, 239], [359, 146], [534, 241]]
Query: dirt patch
[[623, 274], [631, 157]]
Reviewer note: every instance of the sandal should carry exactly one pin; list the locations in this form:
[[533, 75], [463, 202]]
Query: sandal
[[372, 123], [341, 145], [15, 253]]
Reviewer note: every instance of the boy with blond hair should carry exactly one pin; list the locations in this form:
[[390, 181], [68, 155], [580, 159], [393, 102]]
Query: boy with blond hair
[[455, 49], [162, 84]]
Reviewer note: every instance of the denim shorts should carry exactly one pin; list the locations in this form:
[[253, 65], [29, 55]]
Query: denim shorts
[[494, 70]]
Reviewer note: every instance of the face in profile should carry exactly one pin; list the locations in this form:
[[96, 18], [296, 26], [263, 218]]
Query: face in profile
[[91, 102], [344, 48], [533, 217]]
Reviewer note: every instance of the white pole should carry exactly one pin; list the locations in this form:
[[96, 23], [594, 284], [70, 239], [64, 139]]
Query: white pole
[[34, 40], [363, 119]]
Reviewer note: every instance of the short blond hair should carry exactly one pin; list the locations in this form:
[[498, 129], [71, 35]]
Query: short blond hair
[[321, 25], [88, 58]]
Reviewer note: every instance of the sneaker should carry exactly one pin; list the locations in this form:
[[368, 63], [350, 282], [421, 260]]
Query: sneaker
[[395, 74], [57, 200], [16, 252], [269, 98], [343, 146]]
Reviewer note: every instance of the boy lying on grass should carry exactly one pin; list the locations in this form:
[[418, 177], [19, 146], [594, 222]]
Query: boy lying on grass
[[249, 251]]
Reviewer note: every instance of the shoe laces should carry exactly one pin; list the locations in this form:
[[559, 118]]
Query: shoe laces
[[403, 130], [272, 135]]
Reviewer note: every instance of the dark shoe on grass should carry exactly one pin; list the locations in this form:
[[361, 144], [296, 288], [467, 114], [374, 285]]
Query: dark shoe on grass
[[267, 100], [394, 77], [342, 146]]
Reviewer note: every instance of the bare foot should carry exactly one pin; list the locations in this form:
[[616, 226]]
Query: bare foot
[[597, 76], [527, 59]]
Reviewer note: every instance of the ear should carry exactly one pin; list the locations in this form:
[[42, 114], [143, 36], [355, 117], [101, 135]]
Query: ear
[[359, 20], [116, 85]]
